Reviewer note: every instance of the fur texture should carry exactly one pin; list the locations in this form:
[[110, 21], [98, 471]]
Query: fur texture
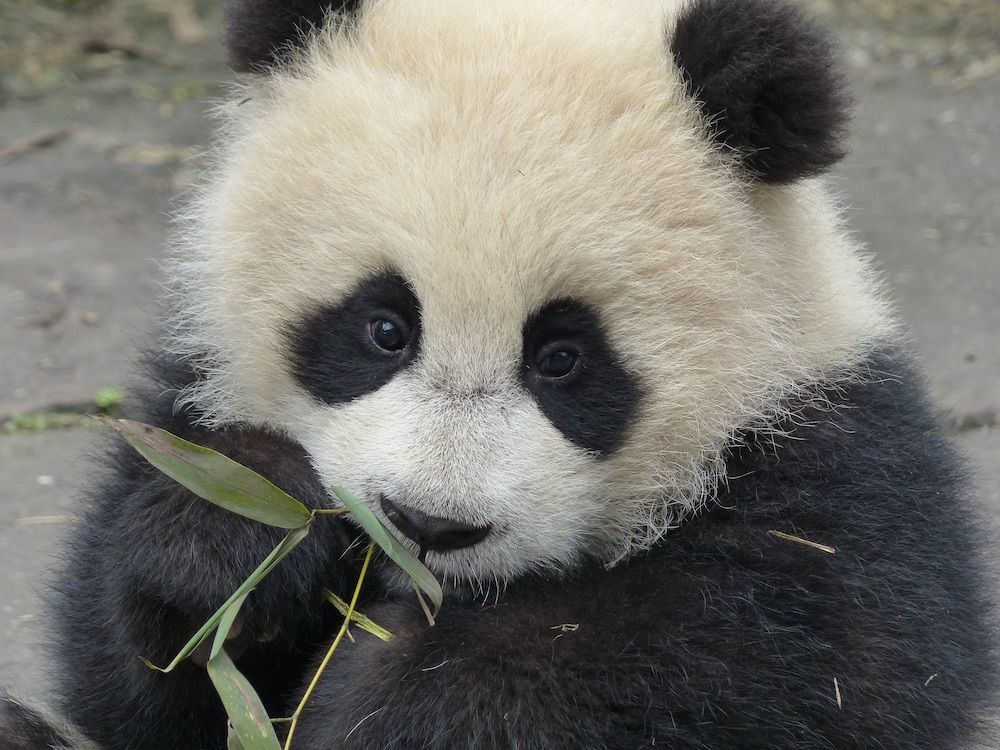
[[593, 406], [723, 636], [333, 355], [150, 562], [259, 33], [23, 727], [500, 160], [768, 84], [501, 163]]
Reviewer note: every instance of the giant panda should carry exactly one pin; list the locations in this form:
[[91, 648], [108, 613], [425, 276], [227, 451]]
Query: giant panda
[[559, 290]]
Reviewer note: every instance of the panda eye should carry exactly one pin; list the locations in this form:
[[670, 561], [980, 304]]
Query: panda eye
[[557, 361], [389, 335]]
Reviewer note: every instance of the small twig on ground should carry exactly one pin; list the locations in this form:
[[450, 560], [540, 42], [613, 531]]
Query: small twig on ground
[[98, 45], [976, 420], [44, 139]]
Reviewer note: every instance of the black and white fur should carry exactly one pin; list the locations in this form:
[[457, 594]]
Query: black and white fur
[[631, 183]]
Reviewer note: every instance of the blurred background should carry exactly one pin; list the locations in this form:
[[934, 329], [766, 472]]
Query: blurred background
[[103, 114]]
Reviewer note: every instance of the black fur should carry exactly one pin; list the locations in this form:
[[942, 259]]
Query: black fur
[[723, 636], [333, 355], [594, 405], [149, 562], [25, 728], [768, 83], [261, 32]]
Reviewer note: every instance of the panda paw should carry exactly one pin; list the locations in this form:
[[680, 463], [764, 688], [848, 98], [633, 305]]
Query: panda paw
[[171, 577]]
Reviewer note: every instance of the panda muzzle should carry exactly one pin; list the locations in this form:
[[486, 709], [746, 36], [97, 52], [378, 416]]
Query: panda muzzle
[[433, 532]]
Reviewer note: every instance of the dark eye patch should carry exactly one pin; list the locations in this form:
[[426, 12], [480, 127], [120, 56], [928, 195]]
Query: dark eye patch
[[595, 403], [333, 354]]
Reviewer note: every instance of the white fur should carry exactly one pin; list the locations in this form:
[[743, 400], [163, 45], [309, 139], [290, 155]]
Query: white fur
[[500, 155]]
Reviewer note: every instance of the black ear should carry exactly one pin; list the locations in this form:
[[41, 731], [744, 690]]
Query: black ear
[[259, 32], [768, 83]]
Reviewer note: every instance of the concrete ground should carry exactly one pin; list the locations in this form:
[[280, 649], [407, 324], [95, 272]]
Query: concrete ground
[[102, 113]]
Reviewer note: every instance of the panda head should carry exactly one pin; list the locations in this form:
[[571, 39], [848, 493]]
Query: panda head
[[518, 274]]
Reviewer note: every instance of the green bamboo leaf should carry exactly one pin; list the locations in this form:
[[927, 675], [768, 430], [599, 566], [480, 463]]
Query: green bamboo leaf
[[243, 706], [405, 559], [225, 625], [214, 477], [233, 739], [279, 553], [362, 621]]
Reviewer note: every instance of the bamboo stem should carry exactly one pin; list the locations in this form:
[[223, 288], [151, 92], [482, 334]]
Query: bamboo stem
[[333, 647]]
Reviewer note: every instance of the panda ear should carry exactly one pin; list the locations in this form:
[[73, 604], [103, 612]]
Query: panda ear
[[767, 82], [260, 32]]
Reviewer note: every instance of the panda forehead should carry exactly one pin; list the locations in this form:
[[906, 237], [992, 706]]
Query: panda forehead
[[503, 142], [575, 167], [478, 223]]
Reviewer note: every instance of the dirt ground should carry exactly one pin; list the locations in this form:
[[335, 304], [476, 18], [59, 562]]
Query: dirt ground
[[103, 114]]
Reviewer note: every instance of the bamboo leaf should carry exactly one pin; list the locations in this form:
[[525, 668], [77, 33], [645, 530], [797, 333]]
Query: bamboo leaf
[[362, 621], [214, 477], [249, 725], [243, 706], [225, 624], [405, 559], [233, 739], [279, 553]]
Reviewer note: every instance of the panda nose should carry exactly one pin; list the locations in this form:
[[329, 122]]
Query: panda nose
[[433, 532]]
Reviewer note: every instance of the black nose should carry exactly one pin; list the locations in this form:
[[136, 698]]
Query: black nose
[[433, 532]]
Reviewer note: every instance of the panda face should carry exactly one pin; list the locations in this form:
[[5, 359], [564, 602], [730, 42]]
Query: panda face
[[493, 273], [488, 425]]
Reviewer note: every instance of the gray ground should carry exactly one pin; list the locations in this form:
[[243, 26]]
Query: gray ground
[[83, 221]]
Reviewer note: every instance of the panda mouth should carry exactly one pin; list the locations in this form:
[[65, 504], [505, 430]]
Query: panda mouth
[[432, 533]]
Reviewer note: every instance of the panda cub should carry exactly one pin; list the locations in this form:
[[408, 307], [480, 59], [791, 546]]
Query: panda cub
[[558, 289]]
